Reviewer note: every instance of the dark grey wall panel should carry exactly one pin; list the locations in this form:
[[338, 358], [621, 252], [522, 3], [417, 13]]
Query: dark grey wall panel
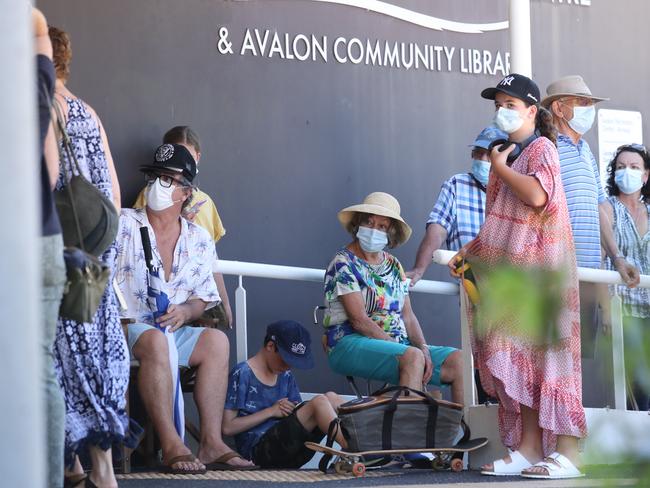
[[289, 143]]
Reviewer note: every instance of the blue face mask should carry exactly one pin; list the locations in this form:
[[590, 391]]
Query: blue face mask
[[628, 180], [583, 119], [481, 170], [508, 120], [372, 240]]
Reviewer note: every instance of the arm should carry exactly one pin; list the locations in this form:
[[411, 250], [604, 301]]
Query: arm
[[433, 238], [356, 312], [416, 338], [117, 197], [51, 153], [629, 274], [42, 43], [223, 293], [527, 188], [233, 425]]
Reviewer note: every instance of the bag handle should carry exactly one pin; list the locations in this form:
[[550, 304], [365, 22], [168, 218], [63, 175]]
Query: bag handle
[[67, 145], [332, 430]]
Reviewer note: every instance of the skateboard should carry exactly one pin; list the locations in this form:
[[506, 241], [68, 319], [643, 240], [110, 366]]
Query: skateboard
[[444, 457]]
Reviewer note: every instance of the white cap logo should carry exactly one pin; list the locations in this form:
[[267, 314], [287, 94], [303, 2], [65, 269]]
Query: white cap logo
[[507, 80], [298, 348], [164, 152]]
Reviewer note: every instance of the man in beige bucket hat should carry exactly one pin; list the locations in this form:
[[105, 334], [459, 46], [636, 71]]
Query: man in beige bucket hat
[[571, 102]]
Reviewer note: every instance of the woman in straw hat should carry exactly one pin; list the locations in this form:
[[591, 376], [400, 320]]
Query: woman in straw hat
[[532, 365], [371, 330]]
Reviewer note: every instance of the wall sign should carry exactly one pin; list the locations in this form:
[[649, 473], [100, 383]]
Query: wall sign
[[615, 128]]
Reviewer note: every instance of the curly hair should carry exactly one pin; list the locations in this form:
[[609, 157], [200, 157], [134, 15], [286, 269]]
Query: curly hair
[[612, 187], [395, 233], [61, 52]]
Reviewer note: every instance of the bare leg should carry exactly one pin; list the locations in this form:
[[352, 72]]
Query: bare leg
[[319, 412], [531, 438], [451, 372], [411, 368], [76, 475], [102, 473], [155, 386], [210, 357], [567, 446]]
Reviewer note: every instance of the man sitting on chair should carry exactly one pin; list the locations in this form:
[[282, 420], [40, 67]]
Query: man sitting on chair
[[183, 253]]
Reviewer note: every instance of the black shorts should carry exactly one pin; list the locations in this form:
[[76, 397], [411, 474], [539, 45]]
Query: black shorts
[[283, 445]]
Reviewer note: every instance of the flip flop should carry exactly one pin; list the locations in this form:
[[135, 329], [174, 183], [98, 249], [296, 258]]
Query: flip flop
[[185, 458], [74, 480], [557, 467], [514, 468], [221, 463]]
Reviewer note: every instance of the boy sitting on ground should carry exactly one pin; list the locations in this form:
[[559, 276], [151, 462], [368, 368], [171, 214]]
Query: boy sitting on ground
[[264, 410]]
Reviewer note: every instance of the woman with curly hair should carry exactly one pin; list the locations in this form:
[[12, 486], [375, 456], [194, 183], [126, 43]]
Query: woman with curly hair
[[91, 359], [629, 213]]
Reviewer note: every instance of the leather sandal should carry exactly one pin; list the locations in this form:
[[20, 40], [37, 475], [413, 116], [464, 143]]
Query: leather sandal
[[557, 467], [514, 468]]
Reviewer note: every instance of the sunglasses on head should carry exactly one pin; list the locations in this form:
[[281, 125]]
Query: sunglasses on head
[[640, 148]]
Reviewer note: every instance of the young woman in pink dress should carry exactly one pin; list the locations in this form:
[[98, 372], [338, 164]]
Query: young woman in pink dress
[[537, 380]]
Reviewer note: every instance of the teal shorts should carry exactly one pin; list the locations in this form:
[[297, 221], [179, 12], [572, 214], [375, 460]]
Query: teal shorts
[[358, 355]]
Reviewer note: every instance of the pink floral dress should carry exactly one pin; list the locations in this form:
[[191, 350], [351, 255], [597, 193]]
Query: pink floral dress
[[546, 377]]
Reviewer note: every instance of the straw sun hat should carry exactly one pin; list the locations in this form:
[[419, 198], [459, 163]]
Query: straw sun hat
[[377, 203]]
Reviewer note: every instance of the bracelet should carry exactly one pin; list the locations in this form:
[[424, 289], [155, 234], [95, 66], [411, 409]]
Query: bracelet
[[618, 256]]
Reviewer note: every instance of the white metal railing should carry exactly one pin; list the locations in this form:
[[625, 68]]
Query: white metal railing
[[584, 274], [272, 271]]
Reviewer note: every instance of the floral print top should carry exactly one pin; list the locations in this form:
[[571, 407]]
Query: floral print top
[[191, 274], [383, 287]]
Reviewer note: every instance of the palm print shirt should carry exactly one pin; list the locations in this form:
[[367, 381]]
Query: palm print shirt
[[191, 273], [383, 288]]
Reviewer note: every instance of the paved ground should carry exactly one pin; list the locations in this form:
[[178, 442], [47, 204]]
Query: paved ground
[[597, 478]]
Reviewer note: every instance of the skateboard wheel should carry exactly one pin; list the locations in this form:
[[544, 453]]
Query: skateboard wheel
[[457, 465], [341, 467], [358, 469], [438, 464]]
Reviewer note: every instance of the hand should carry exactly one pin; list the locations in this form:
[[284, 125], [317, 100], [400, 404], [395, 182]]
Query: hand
[[453, 262], [415, 274], [228, 314], [282, 408], [628, 272], [176, 317], [499, 159], [428, 364]]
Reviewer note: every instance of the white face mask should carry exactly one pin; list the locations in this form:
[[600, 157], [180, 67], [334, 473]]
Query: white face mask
[[583, 119], [372, 240], [158, 197], [628, 180], [508, 120]]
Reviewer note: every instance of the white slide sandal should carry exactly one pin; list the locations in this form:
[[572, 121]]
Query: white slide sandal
[[514, 468], [557, 467]]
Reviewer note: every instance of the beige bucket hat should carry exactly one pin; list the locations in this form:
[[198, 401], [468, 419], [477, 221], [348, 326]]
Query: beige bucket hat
[[569, 86], [377, 203]]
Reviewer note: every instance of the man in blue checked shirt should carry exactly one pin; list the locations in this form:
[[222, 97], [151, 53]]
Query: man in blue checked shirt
[[459, 212]]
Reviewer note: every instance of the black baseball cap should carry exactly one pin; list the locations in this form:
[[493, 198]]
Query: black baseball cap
[[172, 157], [293, 341], [517, 85]]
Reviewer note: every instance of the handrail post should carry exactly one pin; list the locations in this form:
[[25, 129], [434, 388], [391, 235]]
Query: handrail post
[[241, 332], [618, 353], [469, 388]]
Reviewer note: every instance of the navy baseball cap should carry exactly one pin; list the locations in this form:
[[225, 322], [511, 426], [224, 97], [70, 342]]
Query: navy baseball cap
[[516, 85], [174, 158], [487, 136], [293, 341]]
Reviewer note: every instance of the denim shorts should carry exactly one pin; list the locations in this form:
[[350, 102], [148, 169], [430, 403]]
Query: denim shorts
[[185, 338], [375, 359]]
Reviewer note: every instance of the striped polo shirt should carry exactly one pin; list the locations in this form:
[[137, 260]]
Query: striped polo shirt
[[584, 192]]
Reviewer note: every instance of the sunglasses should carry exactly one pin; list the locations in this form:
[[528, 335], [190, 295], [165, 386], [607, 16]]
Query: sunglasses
[[166, 181], [640, 148]]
